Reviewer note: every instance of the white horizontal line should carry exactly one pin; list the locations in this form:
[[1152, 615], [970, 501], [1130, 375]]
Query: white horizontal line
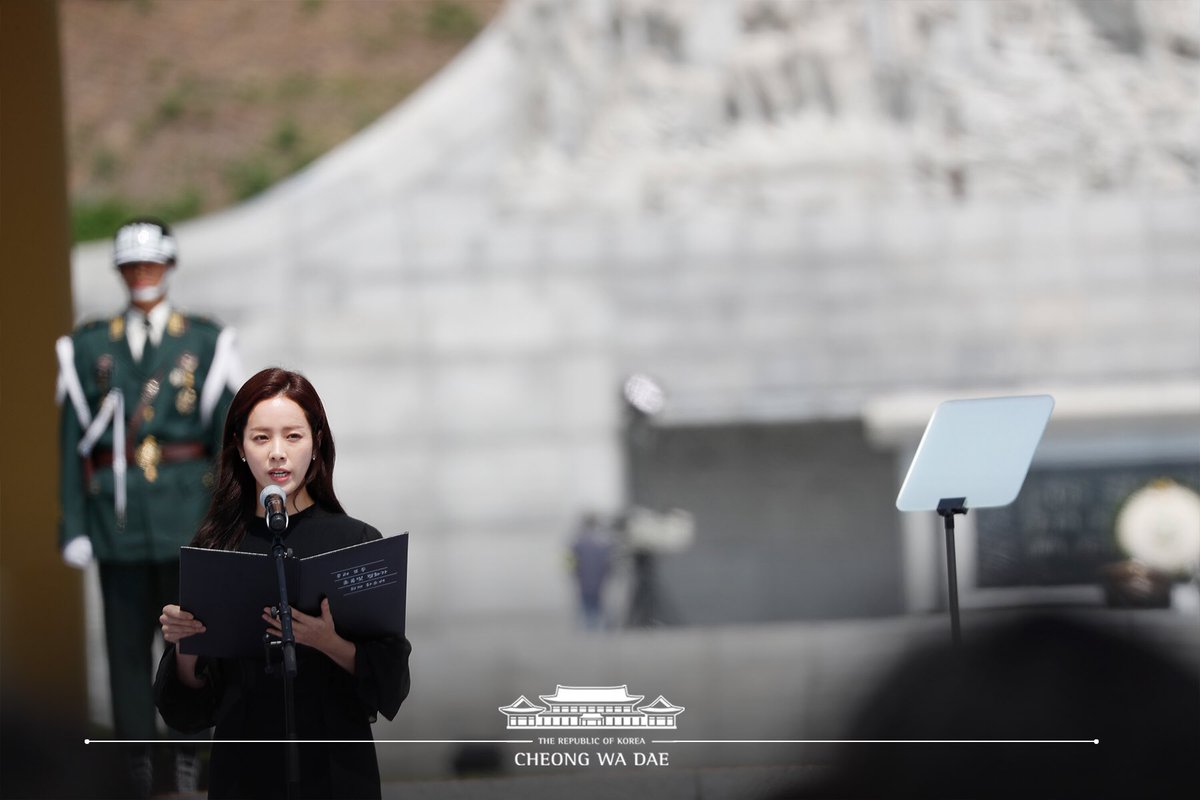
[[652, 741], [307, 741], [875, 741]]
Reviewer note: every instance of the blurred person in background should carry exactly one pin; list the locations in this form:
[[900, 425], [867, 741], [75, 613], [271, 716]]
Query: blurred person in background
[[143, 396], [591, 560]]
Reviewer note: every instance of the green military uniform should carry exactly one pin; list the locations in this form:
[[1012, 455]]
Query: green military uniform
[[170, 410], [170, 441]]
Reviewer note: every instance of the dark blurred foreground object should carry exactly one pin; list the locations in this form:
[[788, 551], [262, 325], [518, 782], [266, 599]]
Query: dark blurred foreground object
[[1038, 678], [44, 756], [476, 760]]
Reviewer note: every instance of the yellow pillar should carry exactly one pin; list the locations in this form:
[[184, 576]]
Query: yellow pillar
[[42, 664]]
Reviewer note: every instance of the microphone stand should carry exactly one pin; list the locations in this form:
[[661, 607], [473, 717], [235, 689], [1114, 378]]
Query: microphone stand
[[280, 553]]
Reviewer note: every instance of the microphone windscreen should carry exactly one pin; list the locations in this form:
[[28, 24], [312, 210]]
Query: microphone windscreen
[[272, 490]]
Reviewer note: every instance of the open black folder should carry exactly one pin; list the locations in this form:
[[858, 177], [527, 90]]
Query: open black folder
[[228, 590]]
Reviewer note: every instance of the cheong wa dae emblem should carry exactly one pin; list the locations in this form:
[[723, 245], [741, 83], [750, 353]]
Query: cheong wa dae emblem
[[591, 707]]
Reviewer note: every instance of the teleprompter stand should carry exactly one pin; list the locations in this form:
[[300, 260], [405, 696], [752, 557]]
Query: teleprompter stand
[[947, 509], [974, 453], [287, 644]]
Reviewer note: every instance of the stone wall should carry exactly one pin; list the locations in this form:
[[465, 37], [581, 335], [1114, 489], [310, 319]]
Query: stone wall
[[468, 289]]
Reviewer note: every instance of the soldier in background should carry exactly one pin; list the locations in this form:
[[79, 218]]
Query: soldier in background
[[143, 396]]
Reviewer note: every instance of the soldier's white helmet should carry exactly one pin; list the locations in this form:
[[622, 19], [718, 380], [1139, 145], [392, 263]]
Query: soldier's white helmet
[[144, 239]]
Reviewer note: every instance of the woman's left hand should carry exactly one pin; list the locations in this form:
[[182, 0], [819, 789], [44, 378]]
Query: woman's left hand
[[316, 632]]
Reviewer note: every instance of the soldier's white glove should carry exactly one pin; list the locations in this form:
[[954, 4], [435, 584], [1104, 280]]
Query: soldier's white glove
[[78, 552]]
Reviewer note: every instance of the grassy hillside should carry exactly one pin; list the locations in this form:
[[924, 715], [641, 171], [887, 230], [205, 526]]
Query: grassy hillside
[[181, 107]]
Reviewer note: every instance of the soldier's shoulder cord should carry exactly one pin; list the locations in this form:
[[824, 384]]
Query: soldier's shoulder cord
[[202, 321], [96, 334]]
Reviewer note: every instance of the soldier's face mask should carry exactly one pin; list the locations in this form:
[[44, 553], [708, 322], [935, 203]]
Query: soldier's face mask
[[146, 280]]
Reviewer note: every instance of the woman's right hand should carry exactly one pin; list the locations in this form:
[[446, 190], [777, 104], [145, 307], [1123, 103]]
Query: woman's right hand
[[178, 624]]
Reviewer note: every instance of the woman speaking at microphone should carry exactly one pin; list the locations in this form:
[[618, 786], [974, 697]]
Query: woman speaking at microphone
[[277, 435]]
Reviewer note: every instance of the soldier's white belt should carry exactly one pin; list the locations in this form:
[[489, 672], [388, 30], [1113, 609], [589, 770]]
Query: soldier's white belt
[[112, 410]]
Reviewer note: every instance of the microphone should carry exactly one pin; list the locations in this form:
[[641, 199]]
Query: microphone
[[274, 500]]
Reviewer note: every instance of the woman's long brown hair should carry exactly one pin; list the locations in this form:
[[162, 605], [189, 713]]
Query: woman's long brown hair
[[235, 497]]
